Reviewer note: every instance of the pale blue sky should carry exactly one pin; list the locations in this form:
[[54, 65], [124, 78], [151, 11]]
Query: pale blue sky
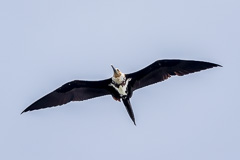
[[44, 44]]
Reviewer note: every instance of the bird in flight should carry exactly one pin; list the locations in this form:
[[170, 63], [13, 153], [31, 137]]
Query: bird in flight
[[120, 86]]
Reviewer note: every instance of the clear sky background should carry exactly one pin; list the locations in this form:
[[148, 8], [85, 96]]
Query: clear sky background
[[44, 44]]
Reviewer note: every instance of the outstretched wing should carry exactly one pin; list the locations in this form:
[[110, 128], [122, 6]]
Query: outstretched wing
[[72, 91], [163, 69]]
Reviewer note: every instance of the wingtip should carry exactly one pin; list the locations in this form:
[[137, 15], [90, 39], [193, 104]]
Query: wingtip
[[218, 65], [23, 112], [215, 65]]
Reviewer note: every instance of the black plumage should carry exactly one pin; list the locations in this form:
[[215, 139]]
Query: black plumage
[[158, 71], [72, 91], [163, 69]]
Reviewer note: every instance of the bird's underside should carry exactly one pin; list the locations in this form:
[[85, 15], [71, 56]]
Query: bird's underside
[[120, 86]]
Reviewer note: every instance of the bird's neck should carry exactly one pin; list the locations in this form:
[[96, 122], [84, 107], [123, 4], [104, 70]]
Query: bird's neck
[[120, 79]]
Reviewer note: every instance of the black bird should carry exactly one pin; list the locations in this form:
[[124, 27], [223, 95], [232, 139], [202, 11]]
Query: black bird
[[120, 86]]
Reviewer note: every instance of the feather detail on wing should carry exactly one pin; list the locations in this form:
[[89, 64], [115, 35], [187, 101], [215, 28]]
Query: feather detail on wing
[[163, 69], [72, 91]]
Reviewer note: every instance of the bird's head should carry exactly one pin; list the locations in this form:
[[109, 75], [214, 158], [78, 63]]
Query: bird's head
[[118, 76], [116, 72]]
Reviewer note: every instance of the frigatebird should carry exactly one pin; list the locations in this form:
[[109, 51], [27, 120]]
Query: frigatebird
[[120, 85]]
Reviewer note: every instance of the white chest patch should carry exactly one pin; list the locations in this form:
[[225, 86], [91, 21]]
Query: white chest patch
[[122, 89]]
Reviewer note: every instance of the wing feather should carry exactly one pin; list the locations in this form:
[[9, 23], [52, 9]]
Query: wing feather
[[163, 69], [72, 91]]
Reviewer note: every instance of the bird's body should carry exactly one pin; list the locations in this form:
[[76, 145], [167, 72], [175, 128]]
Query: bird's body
[[120, 86]]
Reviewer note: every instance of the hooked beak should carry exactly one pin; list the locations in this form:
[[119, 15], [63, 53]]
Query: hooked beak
[[114, 69]]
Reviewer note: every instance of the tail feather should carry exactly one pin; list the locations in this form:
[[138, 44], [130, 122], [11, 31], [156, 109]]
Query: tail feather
[[128, 106]]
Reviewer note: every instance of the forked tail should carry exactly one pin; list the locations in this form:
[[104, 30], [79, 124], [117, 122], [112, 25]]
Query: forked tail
[[128, 106]]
